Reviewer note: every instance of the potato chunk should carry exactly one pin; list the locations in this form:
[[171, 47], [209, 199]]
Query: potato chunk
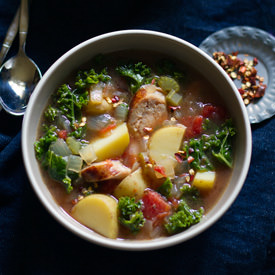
[[163, 145], [98, 212], [204, 181], [133, 185], [112, 145]]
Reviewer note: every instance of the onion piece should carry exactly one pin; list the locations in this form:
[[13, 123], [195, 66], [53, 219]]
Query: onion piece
[[121, 111], [60, 148], [99, 122], [88, 154], [74, 145], [74, 163]]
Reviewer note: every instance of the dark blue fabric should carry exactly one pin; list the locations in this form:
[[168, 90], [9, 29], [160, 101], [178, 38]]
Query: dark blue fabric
[[32, 242]]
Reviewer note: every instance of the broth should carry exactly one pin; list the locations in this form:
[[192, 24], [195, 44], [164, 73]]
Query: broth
[[196, 93]]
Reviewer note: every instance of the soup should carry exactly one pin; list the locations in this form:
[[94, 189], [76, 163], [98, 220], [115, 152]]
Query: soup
[[136, 148]]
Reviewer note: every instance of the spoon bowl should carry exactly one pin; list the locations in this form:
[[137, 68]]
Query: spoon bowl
[[19, 75], [18, 78]]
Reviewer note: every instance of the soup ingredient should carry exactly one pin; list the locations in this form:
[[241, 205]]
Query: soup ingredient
[[155, 206], [74, 145], [204, 181], [173, 98], [130, 214], [166, 188], [98, 212], [132, 186], [163, 145], [87, 153], [217, 145], [105, 170], [42, 145], [252, 84], [57, 169], [121, 111], [112, 145], [183, 218], [148, 109], [168, 84], [136, 74]]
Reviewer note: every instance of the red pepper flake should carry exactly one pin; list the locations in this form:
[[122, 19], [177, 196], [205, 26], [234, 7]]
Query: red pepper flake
[[190, 159], [179, 157], [174, 108], [243, 70], [160, 169], [153, 81], [74, 201], [115, 99]]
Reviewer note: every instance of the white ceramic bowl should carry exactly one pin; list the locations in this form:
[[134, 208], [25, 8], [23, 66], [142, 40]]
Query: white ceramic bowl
[[147, 40]]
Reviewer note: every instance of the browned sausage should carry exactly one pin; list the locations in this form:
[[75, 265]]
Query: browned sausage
[[148, 109], [105, 170]]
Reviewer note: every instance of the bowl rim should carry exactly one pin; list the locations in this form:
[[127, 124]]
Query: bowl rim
[[122, 244]]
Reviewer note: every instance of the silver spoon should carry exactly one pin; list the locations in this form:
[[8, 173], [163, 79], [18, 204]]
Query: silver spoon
[[19, 75]]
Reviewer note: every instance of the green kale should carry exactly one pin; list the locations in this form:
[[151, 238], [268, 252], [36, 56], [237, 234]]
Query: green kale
[[166, 188], [136, 74], [42, 145], [51, 113], [57, 169], [183, 218], [217, 146], [85, 79], [130, 214]]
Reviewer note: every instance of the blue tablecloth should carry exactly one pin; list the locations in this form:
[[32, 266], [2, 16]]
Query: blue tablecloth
[[32, 242]]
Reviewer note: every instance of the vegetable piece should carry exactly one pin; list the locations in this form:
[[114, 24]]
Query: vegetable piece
[[136, 74], [168, 84], [96, 96], [121, 111], [112, 145], [166, 188], [99, 122], [42, 145], [154, 205], [98, 212], [163, 144], [130, 214], [57, 169], [74, 145], [60, 148], [173, 98], [183, 218], [218, 145], [74, 163], [132, 186], [70, 103], [167, 67], [96, 109], [88, 154], [204, 181]]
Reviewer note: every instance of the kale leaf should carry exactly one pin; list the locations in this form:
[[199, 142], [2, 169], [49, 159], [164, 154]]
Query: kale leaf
[[57, 169], [169, 68], [166, 188], [42, 145], [183, 218], [130, 214], [217, 146], [137, 74]]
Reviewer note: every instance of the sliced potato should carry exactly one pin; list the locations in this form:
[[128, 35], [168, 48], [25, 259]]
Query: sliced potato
[[133, 185], [113, 145], [98, 212], [204, 181], [163, 145]]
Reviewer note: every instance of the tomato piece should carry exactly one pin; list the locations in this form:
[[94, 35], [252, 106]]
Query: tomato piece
[[197, 125], [213, 112], [154, 205], [62, 134], [208, 110]]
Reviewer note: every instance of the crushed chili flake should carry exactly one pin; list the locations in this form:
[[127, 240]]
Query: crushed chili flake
[[115, 99], [244, 70]]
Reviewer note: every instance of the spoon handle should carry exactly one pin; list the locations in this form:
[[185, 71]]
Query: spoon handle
[[11, 33], [23, 25]]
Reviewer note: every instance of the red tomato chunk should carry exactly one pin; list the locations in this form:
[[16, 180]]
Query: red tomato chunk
[[154, 205]]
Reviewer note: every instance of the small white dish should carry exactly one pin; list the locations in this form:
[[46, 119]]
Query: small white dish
[[254, 43]]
